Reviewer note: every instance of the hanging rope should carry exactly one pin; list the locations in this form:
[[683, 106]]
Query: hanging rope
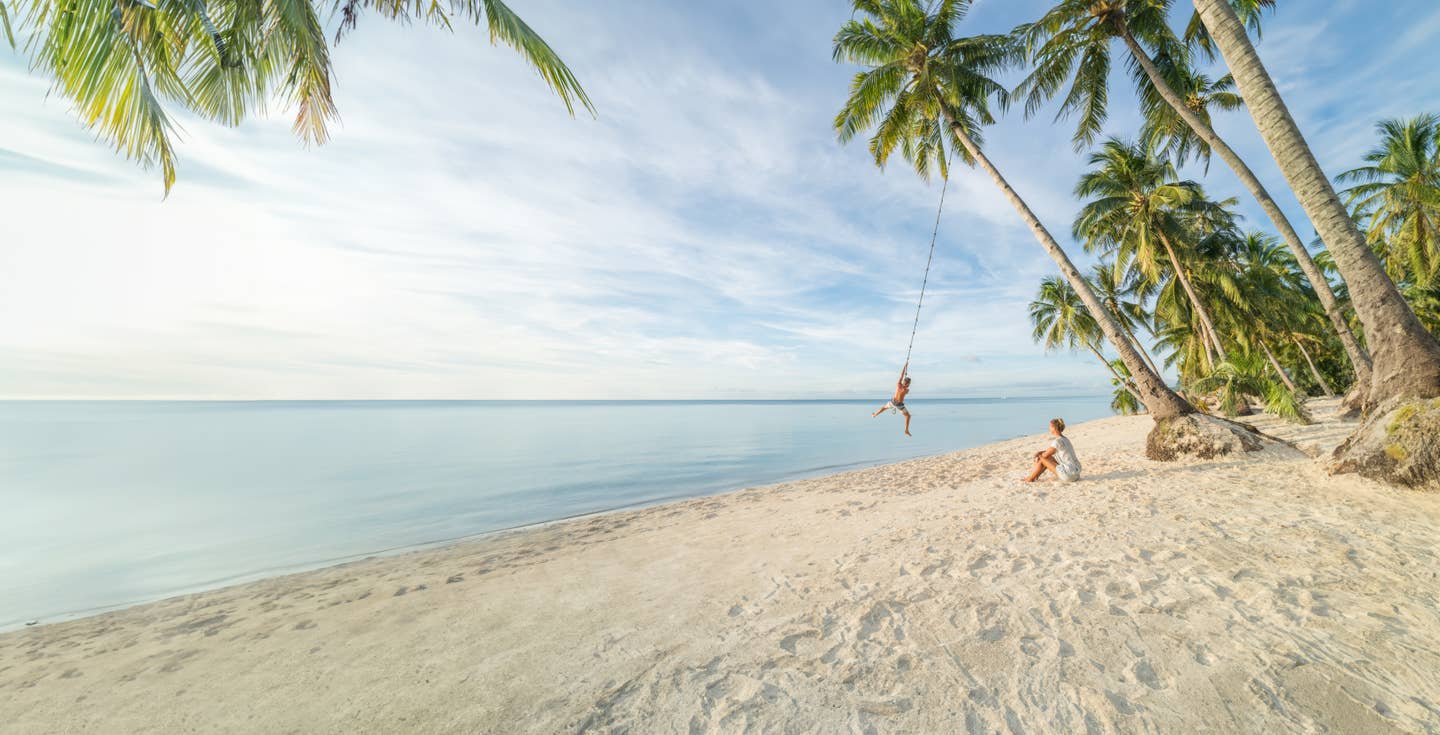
[[928, 260]]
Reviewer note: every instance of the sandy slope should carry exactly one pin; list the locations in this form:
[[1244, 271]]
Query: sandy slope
[[1250, 595]]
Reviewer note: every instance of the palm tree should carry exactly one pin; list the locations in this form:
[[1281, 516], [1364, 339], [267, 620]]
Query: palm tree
[[1269, 300], [924, 90], [1123, 400], [1398, 195], [1077, 34], [1061, 321], [1426, 302], [1180, 340], [125, 64], [1406, 358], [1135, 209], [1242, 376], [1176, 139], [1116, 289]]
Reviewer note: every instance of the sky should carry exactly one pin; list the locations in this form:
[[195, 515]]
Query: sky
[[705, 236]]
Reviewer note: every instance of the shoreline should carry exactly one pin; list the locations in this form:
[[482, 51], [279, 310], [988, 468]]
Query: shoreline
[[250, 577], [935, 594]]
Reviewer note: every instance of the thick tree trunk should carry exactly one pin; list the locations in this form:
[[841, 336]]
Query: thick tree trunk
[[1159, 400], [1324, 384], [1138, 346], [1359, 359], [1405, 358], [1284, 376], [1124, 382], [1204, 313]]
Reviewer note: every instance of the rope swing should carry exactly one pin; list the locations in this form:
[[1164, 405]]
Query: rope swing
[[931, 258]]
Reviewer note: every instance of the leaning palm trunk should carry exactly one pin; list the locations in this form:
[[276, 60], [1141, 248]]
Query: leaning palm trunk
[[1358, 357], [1284, 376], [1215, 347], [1159, 400], [1314, 373], [1405, 358], [1138, 346], [1124, 381]]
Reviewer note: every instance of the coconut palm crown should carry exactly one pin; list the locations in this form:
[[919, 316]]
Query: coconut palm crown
[[1070, 46], [917, 71], [1202, 95], [1397, 195]]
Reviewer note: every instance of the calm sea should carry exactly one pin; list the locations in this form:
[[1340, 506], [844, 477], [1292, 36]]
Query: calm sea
[[112, 503]]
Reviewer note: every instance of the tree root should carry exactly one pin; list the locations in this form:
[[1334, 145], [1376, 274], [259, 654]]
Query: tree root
[[1399, 445], [1202, 436]]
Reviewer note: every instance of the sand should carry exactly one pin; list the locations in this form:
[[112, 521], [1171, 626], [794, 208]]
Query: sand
[[1251, 594]]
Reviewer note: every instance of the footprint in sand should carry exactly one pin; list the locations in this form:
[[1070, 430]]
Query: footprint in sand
[[980, 562], [1201, 652], [790, 642], [1146, 675], [1121, 704]]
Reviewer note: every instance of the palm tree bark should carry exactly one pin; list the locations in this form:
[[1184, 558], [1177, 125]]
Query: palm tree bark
[[1159, 400], [1136, 341], [1284, 376], [1124, 382], [1214, 335], [1324, 384], [1207, 340], [1405, 358], [1359, 359]]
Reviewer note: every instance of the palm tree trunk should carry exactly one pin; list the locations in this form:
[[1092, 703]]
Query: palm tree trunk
[[1159, 400], [1324, 384], [1194, 298], [1138, 346], [1405, 358], [1207, 340], [1124, 382], [1284, 377], [1359, 359]]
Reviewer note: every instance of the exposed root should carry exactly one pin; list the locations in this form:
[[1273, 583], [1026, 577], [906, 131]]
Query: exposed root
[[1399, 445], [1202, 436]]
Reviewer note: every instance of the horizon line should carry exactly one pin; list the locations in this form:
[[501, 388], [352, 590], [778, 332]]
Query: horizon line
[[1005, 396]]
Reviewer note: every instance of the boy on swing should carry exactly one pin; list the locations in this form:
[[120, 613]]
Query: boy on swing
[[897, 403]]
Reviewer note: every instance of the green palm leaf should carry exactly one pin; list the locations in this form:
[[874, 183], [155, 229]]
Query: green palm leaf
[[124, 64]]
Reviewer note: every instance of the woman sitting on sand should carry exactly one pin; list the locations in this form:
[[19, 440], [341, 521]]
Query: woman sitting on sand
[[1059, 458]]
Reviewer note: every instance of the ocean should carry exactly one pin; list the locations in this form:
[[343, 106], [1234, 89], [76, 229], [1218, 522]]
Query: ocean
[[111, 503]]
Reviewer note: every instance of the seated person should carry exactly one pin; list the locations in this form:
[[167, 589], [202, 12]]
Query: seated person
[[1059, 458]]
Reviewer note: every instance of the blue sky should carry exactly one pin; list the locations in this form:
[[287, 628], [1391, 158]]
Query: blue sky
[[705, 237]]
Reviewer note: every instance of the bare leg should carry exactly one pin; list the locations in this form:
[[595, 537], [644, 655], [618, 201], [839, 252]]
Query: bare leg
[[1041, 464], [879, 411], [907, 422]]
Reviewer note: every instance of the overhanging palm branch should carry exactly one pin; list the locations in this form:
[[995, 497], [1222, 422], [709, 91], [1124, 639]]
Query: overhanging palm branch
[[1070, 47], [124, 64]]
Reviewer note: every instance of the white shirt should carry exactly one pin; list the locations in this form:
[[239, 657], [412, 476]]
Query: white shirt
[[1066, 463]]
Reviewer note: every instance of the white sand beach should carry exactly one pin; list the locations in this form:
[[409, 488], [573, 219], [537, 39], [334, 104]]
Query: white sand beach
[[1246, 594]]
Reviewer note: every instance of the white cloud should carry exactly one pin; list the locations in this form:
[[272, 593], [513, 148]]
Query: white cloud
[[462, 237]]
